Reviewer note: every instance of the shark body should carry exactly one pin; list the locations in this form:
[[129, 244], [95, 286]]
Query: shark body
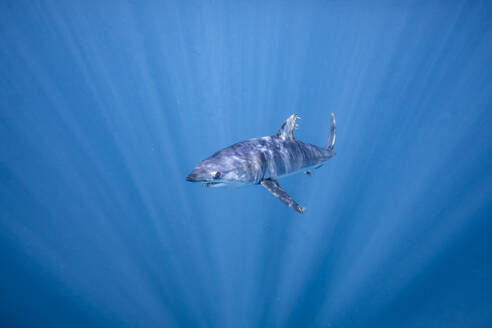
[[264, 160]]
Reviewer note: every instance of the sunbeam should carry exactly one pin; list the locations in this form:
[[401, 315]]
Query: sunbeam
[[107, 106]]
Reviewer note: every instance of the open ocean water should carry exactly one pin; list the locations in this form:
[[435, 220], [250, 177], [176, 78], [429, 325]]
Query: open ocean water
[[106, 106]]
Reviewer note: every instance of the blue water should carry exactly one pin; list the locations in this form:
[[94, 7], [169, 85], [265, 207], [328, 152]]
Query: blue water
[[106, 106]]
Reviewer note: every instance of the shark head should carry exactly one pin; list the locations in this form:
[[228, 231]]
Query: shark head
[[220, 170], [208, 174]]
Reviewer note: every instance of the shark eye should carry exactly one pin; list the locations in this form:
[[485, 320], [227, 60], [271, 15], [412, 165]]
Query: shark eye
[[216, 174]]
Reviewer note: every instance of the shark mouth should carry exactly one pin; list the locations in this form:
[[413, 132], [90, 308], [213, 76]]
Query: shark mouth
[[213, 184]]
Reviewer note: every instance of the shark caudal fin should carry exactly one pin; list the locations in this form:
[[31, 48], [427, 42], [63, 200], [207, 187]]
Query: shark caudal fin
[[333, 130]]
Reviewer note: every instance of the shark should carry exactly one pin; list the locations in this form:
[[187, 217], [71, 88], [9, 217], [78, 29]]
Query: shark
[[262, 161]]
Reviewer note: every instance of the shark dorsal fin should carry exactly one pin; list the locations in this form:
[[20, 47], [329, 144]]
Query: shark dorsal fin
[[286, 131]]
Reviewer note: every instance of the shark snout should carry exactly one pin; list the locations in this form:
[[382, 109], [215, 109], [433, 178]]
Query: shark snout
[[192, 177], [197, 175]]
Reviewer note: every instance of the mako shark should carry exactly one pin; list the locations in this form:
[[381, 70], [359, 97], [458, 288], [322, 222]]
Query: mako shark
[[264, 160]]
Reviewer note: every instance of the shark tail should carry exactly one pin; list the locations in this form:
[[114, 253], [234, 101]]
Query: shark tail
[[333, 130]]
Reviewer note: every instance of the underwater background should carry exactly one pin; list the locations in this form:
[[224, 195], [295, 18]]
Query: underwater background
[[106, 106]]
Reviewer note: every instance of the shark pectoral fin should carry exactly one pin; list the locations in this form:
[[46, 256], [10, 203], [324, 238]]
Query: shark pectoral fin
[[272, 186]]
